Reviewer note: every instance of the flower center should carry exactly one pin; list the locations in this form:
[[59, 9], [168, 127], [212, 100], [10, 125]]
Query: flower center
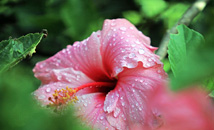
[[68, 95]]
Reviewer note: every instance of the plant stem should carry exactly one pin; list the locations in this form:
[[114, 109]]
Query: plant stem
[[186, 19]]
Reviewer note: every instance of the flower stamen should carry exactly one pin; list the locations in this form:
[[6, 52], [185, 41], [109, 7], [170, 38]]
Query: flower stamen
[[63, 96]]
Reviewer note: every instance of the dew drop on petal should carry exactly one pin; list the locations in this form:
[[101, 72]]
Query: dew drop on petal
[[41, 97], [113, 24], [123, 28], [101, 118], [132, 55], [159, 71], [85, 104], [83, 97], [141, 51], [123, 104], [130, 65], [48, 90]]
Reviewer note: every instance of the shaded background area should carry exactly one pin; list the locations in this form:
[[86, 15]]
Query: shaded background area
[[68, 21]]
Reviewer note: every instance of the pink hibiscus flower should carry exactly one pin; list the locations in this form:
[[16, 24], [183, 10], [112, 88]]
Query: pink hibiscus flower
[[186, 110], [109, 77]]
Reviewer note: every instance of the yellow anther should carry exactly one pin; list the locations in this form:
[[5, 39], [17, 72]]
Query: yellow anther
[[63, 96]]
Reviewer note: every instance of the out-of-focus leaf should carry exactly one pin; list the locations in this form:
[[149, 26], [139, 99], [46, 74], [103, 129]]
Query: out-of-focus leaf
[[191, 60], [167, 66], [209, 84], [77, 16], [152, 8], [173, 14], [212, 94], [133, 16], [19, 109], [12, 51], [181, 45]]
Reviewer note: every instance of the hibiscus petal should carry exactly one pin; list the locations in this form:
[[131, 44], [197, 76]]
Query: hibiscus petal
[[131, 95], [90, 109], [187, 110], [82, 56], [124, 46]]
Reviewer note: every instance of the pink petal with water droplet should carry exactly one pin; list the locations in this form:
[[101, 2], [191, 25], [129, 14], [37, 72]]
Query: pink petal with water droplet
[[127, 103], [90, 109], [68, 77], [83, 56], [124, 46], [187, 110]]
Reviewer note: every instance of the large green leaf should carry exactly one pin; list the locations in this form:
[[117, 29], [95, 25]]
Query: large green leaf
[[12, 51], [191, 60], [181, 45]]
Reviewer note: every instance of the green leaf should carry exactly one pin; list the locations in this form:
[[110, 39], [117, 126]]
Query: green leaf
[[133, 16], [150, 8], [191, 59], [12, 51], [181, 45], [212, 94]]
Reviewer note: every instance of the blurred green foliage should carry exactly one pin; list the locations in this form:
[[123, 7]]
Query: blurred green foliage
[[71, 20], [191, 59]]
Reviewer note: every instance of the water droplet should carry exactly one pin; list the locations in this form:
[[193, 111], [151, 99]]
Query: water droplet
[[114, 29], [140, 108], [83, 97], [121, 98], [159, 71], [132, 106], [41, 97], [123, 50], [101, 118], [113, 24], [48, 90], [131, 28], [130, 65], [133, 90], [141, 51], [149, 60], [132, 55], [123, 28], [133, 45], [85, 104], [121, 38], [118, 70], [123, 104]]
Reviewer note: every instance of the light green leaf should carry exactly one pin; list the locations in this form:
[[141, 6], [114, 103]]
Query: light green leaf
[[12, 51], [181, 45], [133, 16], [152, 8]]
